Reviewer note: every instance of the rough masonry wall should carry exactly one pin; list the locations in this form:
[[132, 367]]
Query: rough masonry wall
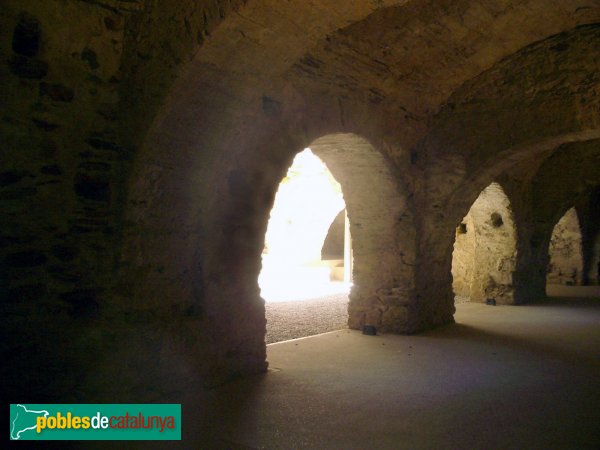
[[566, 258], [484, 258], [575, 166], [71, 120], [512, 115], [495, 255], [382, 230], [59, 184], [463, 259]]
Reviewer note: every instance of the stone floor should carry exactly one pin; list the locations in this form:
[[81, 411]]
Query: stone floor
[[301, 318], [502, 377], [296, 319]]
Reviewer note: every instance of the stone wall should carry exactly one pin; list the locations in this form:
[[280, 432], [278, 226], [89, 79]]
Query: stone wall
[[566, 258], [382, 229], [484, 257], [463, 259], [61, 190], [81, 82]]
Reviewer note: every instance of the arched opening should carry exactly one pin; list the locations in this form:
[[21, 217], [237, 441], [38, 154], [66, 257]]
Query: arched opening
[[565, 252], [379, 258], [483, 261], [294, 268], [306, 205]]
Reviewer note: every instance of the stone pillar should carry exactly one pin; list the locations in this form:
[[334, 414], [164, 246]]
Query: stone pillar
[[532, 262], [382, 233]]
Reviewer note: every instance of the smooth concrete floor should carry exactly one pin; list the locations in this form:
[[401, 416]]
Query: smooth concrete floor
[[502, 377]]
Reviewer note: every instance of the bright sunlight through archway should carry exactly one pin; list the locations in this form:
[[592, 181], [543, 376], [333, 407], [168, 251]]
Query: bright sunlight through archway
[[307, 202]]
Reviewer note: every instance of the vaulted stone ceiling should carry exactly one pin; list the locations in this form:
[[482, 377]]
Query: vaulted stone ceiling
[[412, 57], [407, 58]]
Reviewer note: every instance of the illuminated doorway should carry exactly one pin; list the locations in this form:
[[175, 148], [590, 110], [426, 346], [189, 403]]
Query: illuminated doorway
[[306, 205]]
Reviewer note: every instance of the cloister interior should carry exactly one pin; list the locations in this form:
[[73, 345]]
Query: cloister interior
[[144, 142]]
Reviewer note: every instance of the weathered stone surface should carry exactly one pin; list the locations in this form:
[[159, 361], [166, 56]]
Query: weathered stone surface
[[566, 257], [64, 252], [27, 293], [485, 249], [92, 188], [53, 169], [57, 92], [46, 126], [90, 57], [28, 258], [29, 68], [12, 176], [83, 302]]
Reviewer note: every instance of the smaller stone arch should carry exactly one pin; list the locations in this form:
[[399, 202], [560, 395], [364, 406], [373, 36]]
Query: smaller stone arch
[[484, 257], [565, 251], [333, 245]]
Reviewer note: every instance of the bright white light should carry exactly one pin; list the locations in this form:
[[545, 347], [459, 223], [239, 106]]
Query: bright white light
[[307, 202]]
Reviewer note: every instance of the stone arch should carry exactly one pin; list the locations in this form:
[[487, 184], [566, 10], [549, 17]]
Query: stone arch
[[239, 123], [508, 126], [333, 245], [545, 203], [382, 229], [209, 237], [565, 251], [204, 180], [485, 249]]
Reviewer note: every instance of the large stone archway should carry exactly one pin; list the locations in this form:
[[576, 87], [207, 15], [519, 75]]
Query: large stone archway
[[217, 281]]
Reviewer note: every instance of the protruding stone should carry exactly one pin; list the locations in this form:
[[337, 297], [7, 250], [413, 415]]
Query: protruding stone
[[43, 125], [89, 56], [57, 92]]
